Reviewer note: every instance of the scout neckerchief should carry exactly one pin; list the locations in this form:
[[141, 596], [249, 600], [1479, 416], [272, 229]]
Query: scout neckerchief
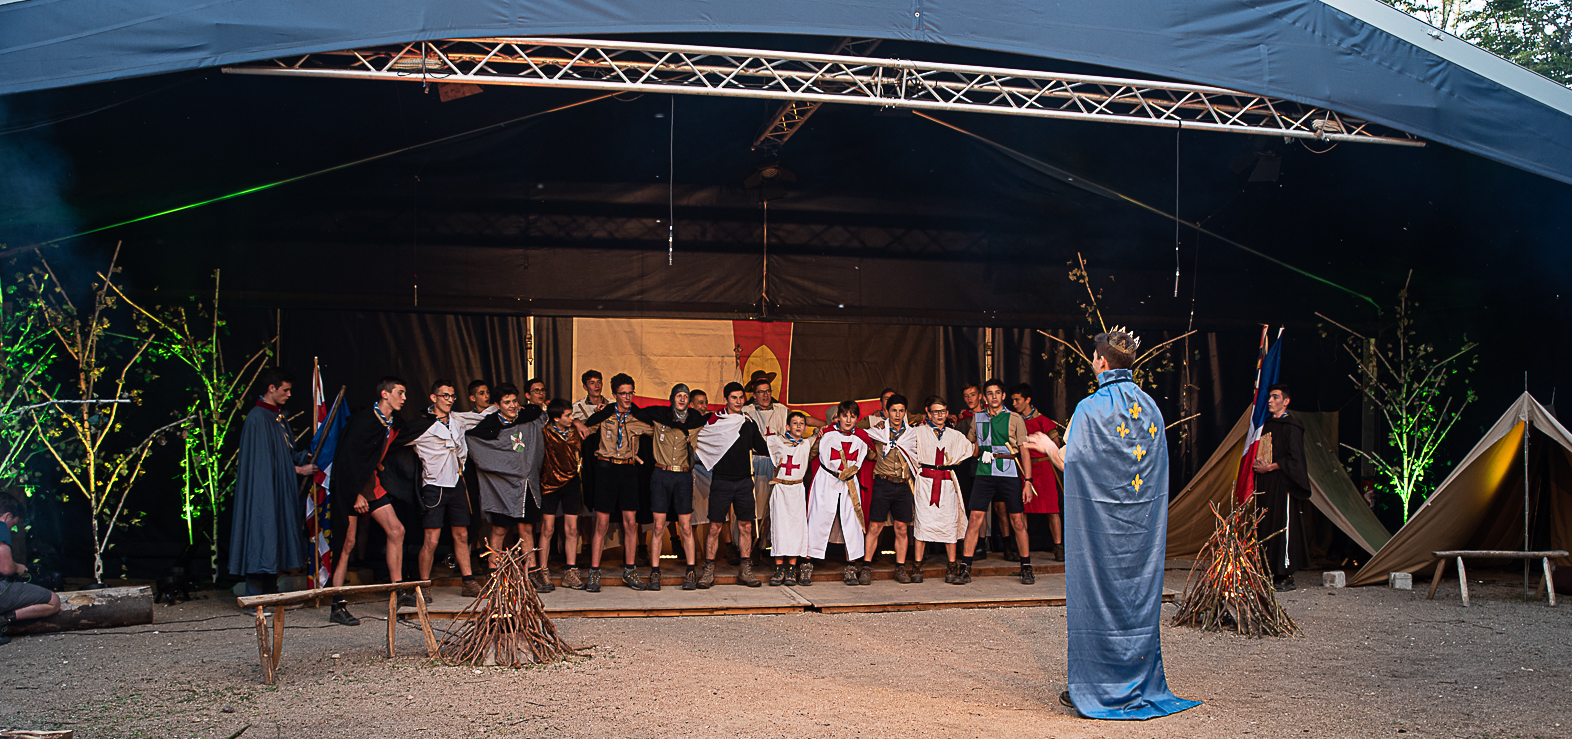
[[622, 418], [561, 434]]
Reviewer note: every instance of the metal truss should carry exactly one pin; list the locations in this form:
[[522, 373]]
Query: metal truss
[[828, 78], [793, 113]]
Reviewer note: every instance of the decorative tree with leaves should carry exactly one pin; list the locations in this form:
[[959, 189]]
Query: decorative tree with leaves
[[191, 336], [26, 352], [1406, 379], [1094, 319], [82, 439]]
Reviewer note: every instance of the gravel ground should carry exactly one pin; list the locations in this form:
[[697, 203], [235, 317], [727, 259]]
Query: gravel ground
[[1371, 662]]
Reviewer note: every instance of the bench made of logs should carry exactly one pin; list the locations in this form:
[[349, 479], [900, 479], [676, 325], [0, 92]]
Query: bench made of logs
[[269, 656], [1545, 583]]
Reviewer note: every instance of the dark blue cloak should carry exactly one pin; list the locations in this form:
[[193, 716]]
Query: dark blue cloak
[[268, 534], [1116, 523]]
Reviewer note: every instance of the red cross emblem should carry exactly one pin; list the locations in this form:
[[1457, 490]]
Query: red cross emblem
[[845, 454], [790, 467], [938, 476]]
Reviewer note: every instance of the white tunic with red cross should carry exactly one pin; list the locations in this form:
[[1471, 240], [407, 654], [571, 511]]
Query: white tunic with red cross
[[789, 498], [833, 497], [941, 515]]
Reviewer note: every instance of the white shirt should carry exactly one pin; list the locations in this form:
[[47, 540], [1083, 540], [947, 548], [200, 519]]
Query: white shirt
[[583, 409], [442, 449]]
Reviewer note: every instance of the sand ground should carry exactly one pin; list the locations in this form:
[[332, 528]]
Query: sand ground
[[1371, 662]]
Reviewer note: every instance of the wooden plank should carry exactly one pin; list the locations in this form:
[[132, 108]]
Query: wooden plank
[[301, 596], [1436, 580], [262, 647], [891, 607], [392, 621], [278, 637], [1548, 583], [1462, 580], [425, 624], [1499, 554]]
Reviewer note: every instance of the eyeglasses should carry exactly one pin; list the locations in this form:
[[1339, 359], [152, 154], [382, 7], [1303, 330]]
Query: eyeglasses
[[449, 396]]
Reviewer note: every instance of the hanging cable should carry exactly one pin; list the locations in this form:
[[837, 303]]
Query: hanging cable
[[1176, 207], [671, 184], [297, 178]]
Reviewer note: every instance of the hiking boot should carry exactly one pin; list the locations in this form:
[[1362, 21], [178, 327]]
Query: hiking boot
[[950, 572], [342, 616], [963, 574], [406, 599], [916, 573], [571, 579], [901, 575], [1286, 584], [654, 581], [1064, 699], [630, 578], [5, 626], [1027, 576], [733, 555], [543, 581], [778, 577], [593, 586], [1058, 552], [707, 575], [745, 573], [789, 573], [690, 581], [470, 589], [805, 574], [865, 575], [850, 575]]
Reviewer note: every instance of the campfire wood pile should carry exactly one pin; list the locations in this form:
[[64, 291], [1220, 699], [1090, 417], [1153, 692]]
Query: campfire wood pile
[[1230, 588], [506, 625]]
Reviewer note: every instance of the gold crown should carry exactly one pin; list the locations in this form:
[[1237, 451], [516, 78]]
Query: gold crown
[[1122, 339]]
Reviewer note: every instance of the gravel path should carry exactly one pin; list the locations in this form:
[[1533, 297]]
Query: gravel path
[[1372, 662]]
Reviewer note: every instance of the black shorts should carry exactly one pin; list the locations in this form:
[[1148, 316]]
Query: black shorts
[[14, 595], [731, 494], [987, 488], [891, 499], [511, 523], [671, 492], [444, 506], [373, 504], [567, 500], [616, 487]]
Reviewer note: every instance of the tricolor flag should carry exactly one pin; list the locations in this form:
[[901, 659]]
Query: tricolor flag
[[319, 524], [1265, 377]]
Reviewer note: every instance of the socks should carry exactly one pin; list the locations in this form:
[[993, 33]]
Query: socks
[[1026, 560], [627, 568], [468, 578], [691, 567], [966, 560], [340, 602]]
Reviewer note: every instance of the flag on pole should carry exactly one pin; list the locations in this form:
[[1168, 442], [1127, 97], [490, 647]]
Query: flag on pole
[[1266, 365], [319, 523]]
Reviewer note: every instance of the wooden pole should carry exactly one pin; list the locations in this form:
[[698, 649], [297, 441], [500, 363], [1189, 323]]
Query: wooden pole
[[425, 623], [262, 648], [95, 609], [392, 619]]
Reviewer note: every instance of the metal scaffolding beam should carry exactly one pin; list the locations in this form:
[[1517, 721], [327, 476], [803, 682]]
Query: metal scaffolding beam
[[829, 78], [793, 113]]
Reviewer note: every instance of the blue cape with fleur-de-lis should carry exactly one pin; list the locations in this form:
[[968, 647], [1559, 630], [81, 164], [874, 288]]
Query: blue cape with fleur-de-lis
[[1116, 526]]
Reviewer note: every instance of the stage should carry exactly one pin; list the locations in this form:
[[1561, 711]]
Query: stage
[[995, 585]]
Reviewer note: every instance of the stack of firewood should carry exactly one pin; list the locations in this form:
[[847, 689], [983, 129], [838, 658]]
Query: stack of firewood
[[1230, 588], [507, 625]]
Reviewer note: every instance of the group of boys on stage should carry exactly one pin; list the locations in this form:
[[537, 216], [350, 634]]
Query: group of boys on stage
[[752, 467]]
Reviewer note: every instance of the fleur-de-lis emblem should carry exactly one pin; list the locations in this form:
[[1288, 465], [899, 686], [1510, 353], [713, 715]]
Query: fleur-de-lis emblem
[[1135, 410], [1139, 452], [1153, 430], [1123, 430], [1137, 482]]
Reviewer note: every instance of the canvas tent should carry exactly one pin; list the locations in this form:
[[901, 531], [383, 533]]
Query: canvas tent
[[1480, 505], [1190, 519]]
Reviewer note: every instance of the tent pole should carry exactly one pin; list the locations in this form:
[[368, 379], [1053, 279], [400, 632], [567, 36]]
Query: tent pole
[[1526, 568]]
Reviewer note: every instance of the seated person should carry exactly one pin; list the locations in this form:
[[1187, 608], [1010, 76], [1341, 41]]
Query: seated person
[[18, 600]]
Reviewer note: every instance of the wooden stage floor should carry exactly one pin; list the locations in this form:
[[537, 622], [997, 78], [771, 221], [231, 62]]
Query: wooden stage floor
[[994, 589]]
